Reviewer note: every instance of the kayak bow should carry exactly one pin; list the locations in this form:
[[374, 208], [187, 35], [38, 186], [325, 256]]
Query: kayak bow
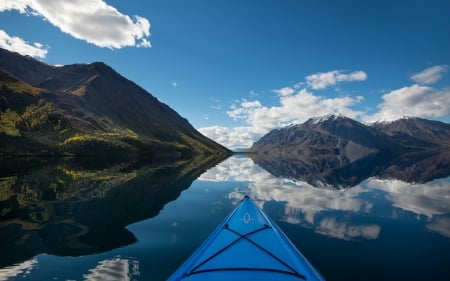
[[247, 245]]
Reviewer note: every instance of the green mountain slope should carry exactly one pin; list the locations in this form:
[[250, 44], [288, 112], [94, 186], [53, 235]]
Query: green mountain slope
[[88, 109]]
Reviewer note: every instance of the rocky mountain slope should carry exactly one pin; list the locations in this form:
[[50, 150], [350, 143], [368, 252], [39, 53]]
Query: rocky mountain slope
[[414, 131], [87, 109], [342, 138]]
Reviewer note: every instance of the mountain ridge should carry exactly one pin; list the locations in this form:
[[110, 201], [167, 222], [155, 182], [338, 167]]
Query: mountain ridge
[[88, 108]]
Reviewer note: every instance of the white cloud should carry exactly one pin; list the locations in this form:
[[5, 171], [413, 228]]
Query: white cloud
[[241, 111], [323, 80], [415, 100], [430, 75], [17, 44], [91, 20], [286, 91], [236, 137]]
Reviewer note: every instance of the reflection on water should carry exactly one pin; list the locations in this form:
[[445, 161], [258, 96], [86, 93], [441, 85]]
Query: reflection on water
[[323, 208], [69, 207], [22, 269], [114, 269], [134, 221], [417, 167]]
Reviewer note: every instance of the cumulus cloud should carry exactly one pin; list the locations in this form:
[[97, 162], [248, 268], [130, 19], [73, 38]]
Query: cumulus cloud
[[286, 91], [236, 137], [323, 80], [430, 75], [415, 100], [16, 44], [91, 20]]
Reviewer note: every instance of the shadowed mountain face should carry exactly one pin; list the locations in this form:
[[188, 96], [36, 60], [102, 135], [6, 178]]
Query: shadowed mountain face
[[70, 207], [336, 139], [413, 131], [87, 109]]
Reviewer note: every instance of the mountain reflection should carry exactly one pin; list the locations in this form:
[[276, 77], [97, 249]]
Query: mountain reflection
[[417, 167], [70, 207], [334, 212]]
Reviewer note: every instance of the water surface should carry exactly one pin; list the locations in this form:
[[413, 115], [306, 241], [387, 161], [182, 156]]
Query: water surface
[[139, 223]]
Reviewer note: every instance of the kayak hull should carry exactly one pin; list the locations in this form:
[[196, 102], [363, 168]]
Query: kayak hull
[[247, 245]]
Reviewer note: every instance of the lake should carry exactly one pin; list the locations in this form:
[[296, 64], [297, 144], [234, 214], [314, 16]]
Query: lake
[[65, 220]]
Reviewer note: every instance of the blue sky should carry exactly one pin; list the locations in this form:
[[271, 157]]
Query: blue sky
[[236, 69]]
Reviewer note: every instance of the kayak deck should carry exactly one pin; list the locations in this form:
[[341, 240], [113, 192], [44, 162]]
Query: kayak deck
[[247, 246]]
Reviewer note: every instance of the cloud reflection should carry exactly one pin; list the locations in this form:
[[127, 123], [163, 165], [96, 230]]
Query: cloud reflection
[[428, 199], [114, 269], [21, 269], [330, 211], [440, 225], [333, 228]]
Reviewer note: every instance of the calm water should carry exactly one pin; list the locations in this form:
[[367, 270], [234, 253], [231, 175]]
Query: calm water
[[139, 223]]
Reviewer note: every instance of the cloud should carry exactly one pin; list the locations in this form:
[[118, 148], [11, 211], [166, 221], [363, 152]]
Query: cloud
[[322, 80], [91, 20], [286, 91], [300, 102], [16, 44], [236, 137], [415, 100], [430, 75], [294, 108]]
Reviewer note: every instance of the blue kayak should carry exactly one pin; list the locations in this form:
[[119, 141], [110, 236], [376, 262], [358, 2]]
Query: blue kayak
[[248, 245]]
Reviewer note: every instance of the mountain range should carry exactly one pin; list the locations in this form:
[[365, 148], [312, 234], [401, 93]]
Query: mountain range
[[342, 152], [87, 109], [340, 135]]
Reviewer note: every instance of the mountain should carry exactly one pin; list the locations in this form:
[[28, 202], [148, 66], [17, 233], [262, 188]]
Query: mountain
[[341, 152], [87, 109], [343, 139], [413, 131]]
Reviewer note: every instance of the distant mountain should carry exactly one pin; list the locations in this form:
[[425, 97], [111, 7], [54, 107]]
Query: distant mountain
[[87, 109], [342, 152], [413, 131], [342, 138]]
